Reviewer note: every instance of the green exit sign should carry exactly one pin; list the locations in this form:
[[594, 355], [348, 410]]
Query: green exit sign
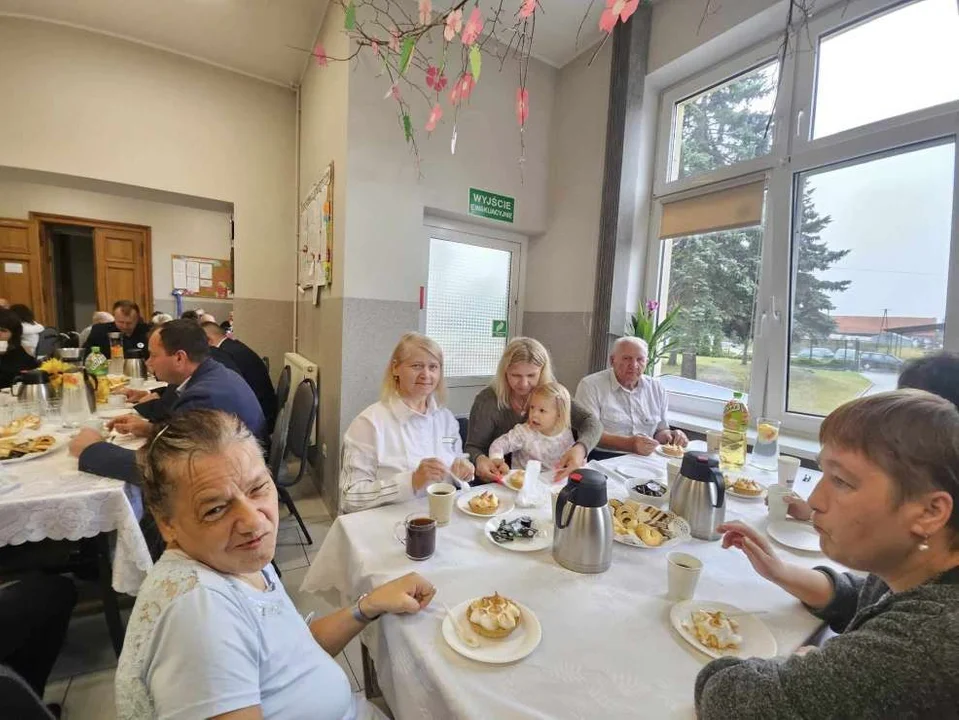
[[499, 328], [490, 205]]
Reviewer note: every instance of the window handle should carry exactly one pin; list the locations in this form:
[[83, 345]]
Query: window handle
[[777, 316], [762, 324], [799, 118]]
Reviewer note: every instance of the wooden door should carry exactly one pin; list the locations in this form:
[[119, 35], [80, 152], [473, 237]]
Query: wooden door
[[121, 267], [20, 264]]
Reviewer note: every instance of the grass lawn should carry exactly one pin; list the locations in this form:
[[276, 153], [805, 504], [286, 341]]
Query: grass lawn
[[817, 391]]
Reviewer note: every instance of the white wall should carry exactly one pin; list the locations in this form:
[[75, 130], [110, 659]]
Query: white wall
[[91, 106], [175, 230]]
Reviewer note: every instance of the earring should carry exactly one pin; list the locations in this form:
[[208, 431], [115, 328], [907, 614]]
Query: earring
[[923, 546]]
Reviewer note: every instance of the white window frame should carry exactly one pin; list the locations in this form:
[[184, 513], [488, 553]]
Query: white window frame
[[792, 152], [487, 237]]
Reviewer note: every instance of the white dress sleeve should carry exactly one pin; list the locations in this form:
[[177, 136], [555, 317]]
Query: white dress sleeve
[[515, 439], [363, 483]]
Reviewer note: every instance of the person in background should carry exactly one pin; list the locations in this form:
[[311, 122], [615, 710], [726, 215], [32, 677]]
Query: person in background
[[4, 304], [228, 324], [213, 632], [525, 363], [34, 616], [250, 366], [887, 505], [159, 318], [190, 315], [99, 317], [31, 328], [15, 358], [631, 405], [207, 318], [128, 322], [406, 441], [545, 436]]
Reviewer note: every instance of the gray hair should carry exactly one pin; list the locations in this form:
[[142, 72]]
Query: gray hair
[[172, 448], [102, 316], [638, 341]]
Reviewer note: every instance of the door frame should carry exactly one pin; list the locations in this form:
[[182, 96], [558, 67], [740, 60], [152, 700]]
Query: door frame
[[37, 220]]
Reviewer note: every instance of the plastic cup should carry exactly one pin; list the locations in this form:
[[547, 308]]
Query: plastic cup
[[682, 575], [788, 467], [441, 497]]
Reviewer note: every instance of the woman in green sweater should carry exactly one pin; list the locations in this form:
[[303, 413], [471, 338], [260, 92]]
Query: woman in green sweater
[[524, 365]]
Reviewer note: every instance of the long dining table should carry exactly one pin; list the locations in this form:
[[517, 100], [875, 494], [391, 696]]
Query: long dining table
[[607, 649]]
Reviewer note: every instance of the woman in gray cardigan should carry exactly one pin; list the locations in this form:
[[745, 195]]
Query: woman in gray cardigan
[[524, 365], [886, 505]]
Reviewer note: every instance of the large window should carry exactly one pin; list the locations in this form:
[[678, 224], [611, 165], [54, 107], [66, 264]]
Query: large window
[[809, 261]]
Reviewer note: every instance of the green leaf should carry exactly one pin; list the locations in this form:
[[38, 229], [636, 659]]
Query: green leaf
[[408, 127], [350, 21], [476, 62], [407, 54]]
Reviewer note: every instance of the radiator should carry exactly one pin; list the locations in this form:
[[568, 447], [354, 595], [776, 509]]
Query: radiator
[[301, 368]]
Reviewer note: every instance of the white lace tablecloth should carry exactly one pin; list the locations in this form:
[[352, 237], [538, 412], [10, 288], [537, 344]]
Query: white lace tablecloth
[[53, 500], [607, 650]]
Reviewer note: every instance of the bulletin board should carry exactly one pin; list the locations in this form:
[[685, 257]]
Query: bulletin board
[[203, 277], [315, 256]]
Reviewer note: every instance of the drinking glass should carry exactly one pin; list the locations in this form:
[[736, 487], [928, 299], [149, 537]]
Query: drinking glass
[[766, 449]]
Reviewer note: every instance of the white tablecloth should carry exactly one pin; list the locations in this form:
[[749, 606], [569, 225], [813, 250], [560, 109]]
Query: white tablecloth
[[55, 501], [607, 650]]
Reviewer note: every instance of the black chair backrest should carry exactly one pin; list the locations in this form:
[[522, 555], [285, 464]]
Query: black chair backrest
[[283, 388], [48, 343], [266, 361], [306, 401], [17, 699]]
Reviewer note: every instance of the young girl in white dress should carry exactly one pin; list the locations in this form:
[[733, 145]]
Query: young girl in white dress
[[545, 435]]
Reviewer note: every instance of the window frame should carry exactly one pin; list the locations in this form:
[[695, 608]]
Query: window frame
[[791, 154], [492, 238]]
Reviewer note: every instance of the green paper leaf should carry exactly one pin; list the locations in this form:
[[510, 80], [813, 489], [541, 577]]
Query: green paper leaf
[[350, 22], [408, 127], [407, 54], [476, 61]]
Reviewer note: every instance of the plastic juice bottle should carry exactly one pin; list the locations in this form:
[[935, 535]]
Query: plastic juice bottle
[[732, 447], [97, 366]]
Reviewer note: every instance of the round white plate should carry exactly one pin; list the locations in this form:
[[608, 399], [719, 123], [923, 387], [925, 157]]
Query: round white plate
[[520, 643], [506, 481], [741, 496], [659, 451], [677, 525], [59, 442], [794, 534], [758, 641], [543, 539], [505, 501], [108, 413]]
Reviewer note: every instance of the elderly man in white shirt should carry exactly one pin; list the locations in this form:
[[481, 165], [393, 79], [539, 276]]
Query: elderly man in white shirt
[[631, 405]]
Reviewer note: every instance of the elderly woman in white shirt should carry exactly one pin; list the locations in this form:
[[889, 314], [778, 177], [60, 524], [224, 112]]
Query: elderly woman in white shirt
[[398, 446]]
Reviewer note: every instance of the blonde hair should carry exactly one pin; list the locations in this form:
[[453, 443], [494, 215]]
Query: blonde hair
[[411, 341], [521, 350], [560, 395]]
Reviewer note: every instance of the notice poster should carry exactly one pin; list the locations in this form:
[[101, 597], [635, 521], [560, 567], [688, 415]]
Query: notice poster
[[203, 277]]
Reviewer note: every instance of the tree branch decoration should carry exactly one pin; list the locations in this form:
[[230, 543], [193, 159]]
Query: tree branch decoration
[[435, 58]]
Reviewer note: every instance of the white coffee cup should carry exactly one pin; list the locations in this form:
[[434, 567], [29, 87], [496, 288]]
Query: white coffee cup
[[672, 470], [776, 500], [682, 575], [441, 497], [713, 440], [788, 467]]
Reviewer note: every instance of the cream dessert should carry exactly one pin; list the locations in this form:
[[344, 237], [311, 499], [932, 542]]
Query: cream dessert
[[494, 616]]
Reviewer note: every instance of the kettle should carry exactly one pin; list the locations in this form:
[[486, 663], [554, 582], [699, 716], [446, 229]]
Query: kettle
[[698, 494], [32, 386], [133, 365], [583, 524]]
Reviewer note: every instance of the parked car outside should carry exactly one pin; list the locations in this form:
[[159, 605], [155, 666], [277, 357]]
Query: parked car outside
[[815, 355], [879, 361]]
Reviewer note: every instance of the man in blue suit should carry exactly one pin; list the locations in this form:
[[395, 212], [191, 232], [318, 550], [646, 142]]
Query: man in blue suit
[[180, 356]]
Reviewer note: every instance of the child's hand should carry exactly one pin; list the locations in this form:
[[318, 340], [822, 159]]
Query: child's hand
[[572, 459]]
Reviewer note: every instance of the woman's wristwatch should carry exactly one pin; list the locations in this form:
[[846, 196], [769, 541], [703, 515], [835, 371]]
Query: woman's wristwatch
[[359, 615]]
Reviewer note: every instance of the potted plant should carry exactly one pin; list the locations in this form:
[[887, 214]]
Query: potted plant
[[645, 324]]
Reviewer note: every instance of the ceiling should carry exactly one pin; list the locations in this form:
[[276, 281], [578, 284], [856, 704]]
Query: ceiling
[[256, 37]]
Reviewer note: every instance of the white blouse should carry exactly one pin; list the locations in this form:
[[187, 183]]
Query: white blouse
[[384, 445]]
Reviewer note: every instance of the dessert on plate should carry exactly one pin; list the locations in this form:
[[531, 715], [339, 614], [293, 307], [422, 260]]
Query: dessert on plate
[[649, 535], [494, 616], [672, 450], [715, 630], [484, 503], [745, 486], [517, 478]]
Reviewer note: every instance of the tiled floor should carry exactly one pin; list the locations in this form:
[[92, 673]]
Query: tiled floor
[[82, 679]]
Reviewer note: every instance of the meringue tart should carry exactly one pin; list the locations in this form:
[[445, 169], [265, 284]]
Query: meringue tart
[[484, 504], [494, 616]]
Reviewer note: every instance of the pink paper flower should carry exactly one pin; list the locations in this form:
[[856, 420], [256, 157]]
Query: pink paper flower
[[426, 12], [454, 23], [320, 54], [395, 40], [393, 92], [435, 80], [616, 10], [529, 7], [435, 114], [522, 105], [462, 88], [474, 26], [376, 48]]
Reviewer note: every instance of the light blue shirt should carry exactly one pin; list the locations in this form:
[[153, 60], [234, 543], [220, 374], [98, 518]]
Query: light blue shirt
[[201, 643]]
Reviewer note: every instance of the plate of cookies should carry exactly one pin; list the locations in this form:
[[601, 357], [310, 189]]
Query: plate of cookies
[[27, 447], [640, 525], [485, 502], [492, 629]]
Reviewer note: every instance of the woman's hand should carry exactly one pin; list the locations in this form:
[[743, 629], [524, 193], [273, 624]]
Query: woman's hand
[[462, 469], [430, 470], [489, 469], [406, 595], [573, 459], [756, 548]]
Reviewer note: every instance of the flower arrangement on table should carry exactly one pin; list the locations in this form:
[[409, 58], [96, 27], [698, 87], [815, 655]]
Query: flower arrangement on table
[[646, 324], [54, 367]]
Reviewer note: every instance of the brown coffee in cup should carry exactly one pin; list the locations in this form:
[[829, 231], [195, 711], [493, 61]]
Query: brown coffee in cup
[[420, 537]]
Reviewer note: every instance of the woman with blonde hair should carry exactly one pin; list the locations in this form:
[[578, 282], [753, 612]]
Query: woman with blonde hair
[[525, 364], [398, 446]]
